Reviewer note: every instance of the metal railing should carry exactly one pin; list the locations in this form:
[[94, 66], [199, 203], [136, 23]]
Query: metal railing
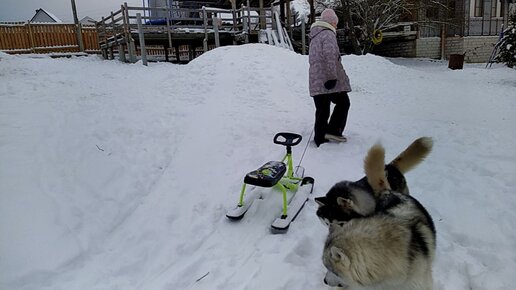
[[119, 26]]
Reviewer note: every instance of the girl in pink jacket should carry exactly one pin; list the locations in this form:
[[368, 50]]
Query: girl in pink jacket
[[328, 81]]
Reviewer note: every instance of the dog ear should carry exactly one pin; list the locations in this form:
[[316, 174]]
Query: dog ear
[[338, 255], [345, 203], [321, 201], [374, 167]]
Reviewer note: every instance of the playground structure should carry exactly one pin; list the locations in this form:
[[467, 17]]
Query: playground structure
[[130, 31]]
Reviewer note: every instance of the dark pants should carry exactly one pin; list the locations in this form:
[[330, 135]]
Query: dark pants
[[322, 113]]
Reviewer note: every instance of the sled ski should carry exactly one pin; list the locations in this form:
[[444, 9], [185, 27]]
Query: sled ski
[[239, 211], [282, 176], [281, 224]]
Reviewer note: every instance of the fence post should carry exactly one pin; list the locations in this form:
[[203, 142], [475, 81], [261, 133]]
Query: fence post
[[104, 50], [121, 53], [142, 38], [245, 24], [78, 27], [303, 36], [263, 24], [31, 38], [216, 30], [128, 36], [205, 40], [272, 16], [233, 6], [288, 23], [249, 16], [169, 33]]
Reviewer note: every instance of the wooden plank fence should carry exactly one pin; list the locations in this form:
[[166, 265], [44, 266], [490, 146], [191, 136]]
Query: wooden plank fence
[[46, 38]]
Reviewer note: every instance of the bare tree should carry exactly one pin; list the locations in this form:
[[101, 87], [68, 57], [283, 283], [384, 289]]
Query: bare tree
[[365, 17]]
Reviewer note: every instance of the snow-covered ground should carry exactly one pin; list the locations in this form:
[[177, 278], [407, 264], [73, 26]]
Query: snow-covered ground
[[118, 176]]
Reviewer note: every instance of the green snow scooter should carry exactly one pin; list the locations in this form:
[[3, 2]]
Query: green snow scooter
[[281, 176]]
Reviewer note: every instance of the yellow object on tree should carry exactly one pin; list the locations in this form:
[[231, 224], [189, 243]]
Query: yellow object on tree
[[377, 36]]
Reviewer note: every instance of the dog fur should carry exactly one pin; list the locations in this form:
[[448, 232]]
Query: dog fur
[[351, 199], [391, 248]]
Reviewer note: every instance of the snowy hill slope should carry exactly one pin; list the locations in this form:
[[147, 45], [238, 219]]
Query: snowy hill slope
[[116, 176]]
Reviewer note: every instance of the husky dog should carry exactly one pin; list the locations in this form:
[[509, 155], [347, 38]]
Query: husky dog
[[392, 249], [347, 200]]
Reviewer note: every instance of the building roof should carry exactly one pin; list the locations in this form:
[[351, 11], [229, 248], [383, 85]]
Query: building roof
[[87, 21], [52, 16]]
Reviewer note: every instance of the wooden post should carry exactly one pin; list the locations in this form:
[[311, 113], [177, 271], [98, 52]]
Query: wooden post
[[133, 50], [263, 24], [104, 29], [282, 9], [31, 38], [248, 18], [216, 30], [113, 25], [272, 16], [443, 42], [303, 36], [98, 34], [169, 33], [312, 11], [166, 52], [289, 19], [190, 52], [121, 53], [142, 38], [244, 23], [178, 59], [78, 28], [128, 37], [233, 7], [205, 40]]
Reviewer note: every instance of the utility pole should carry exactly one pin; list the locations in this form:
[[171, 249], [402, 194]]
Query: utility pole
[[77, 27]]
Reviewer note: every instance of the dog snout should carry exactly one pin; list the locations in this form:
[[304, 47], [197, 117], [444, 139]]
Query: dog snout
[[326, 283]]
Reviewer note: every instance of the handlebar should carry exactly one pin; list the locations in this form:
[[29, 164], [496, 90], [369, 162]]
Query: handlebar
[[287, 139]]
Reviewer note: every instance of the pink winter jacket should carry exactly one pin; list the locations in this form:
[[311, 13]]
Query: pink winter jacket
[[325, 63]]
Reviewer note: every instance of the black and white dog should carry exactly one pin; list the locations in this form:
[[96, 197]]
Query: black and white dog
[[389, 245]]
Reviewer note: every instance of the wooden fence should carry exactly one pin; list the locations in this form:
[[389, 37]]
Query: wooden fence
[[46, 38]]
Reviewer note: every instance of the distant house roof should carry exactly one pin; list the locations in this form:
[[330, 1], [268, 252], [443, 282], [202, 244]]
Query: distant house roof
[[43, 15], [87, 21]]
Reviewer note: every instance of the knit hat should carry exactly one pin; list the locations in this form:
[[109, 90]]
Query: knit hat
[[328, 15]]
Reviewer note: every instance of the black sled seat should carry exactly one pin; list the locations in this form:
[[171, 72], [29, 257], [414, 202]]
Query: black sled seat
[[267, 175]]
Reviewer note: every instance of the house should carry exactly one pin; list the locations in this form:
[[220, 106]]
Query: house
[[469, 27], [44, 16], [87, 21]]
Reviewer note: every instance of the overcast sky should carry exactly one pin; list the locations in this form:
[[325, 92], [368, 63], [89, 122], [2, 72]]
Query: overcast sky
[[23, 10]]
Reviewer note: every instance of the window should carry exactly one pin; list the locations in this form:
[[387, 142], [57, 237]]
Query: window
[[479, 8], [497, 8]]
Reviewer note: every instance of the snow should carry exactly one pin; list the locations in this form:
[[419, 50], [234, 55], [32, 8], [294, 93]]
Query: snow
[[118, 176]]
